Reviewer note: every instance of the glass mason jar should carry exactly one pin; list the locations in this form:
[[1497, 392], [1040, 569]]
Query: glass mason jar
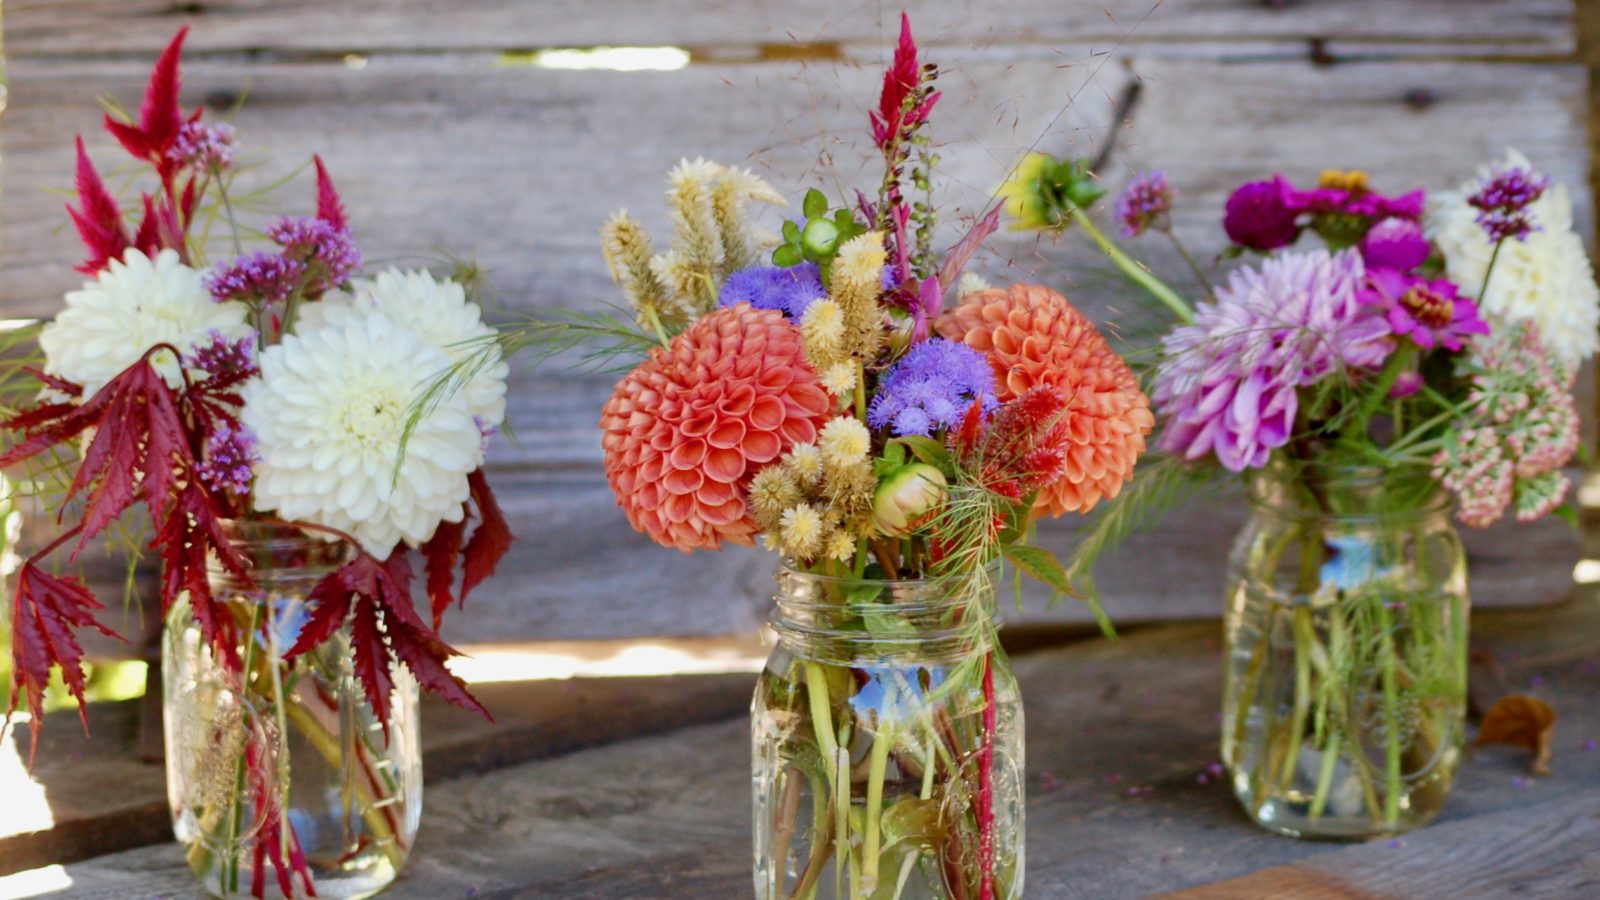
[[1346, 628], [281, 799], [888, 744]]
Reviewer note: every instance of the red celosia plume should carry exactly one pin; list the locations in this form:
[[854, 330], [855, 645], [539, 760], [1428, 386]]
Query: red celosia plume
[[900, 80], [330, 208], [98, 217], [160, 116]]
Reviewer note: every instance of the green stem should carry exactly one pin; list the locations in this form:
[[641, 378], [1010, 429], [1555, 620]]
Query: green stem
[[1135, 272], [1199, 273], [233, 223], [655, 324], [1305, 638], [872, 839], [1356, 429], [1391, 719], [1330, 761], [1488, 273]]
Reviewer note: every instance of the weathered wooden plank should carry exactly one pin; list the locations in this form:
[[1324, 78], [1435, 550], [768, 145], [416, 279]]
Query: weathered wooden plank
[[521, 166], [1119, 735], [102, 799], [1549, 850], [36, 27]]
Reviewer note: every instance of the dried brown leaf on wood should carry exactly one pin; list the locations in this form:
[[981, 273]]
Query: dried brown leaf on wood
[[1521, 721]]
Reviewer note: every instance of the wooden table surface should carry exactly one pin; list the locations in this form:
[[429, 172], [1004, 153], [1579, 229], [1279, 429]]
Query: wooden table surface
[[1121, 802]]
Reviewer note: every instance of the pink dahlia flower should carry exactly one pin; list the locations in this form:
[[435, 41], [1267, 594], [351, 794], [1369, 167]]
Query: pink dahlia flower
[[685, 431], [1228, 383]]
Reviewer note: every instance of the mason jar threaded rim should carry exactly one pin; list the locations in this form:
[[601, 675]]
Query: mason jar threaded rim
[[278, 553], [1348, 494], [929, 616]]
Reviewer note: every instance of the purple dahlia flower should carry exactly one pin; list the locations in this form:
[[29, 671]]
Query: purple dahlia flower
[[1228, 383]]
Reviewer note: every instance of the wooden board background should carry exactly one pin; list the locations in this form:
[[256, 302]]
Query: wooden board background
[[441, 140]]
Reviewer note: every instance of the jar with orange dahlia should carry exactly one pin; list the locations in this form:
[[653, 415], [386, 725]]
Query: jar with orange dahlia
[[894, 454]]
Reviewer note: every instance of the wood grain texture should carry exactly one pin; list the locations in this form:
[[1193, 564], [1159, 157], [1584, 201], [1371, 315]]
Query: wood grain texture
[[1119, 734], [92, 27], [103, 799], [519, 166]]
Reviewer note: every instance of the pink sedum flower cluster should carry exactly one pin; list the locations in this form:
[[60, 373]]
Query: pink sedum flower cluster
[[1522, 428]]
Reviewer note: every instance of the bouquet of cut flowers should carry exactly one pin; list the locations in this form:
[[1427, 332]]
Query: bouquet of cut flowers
[[811, 390], [255, 405], [1425, 351]]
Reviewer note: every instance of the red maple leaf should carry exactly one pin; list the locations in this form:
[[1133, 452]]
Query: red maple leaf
[[479, 557], [44, 613], [490, 540], [160, 117], [439, 557], [98, 217], [385, 630], [330, 208], [189, 536]]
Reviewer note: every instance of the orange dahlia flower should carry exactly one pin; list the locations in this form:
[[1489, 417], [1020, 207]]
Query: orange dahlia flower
[[1034, 337], [684, 432]]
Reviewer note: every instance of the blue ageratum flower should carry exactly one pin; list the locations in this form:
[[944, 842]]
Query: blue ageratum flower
[[931, 387], [788, 290]]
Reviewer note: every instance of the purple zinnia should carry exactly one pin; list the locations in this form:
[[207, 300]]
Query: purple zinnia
[[1260, 216], [1145, 203], [208, 148], [258, 277], [1502, 201], [787, 289], [1395, 243], [220, 357], [1228, 383], [931, 387], [1429, 312], [230, 460], [327, 251]]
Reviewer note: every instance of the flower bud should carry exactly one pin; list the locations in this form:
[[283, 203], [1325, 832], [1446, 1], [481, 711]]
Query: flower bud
[[905, 499]]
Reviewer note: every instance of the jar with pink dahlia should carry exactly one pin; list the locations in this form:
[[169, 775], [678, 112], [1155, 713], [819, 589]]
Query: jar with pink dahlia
[[685, 432]]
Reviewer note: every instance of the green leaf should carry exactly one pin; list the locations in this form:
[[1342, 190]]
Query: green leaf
[[912, 820], [1041, 565], [928, 450], [787, 255], [815, 206], [791, 231]]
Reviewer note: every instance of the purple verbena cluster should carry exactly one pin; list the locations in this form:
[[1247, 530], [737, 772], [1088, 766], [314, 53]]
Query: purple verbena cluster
[[1145, 203], [230, 460], [1503, 200], [220, 357], [258, 277], [327, 251], [205, 147], [931, 387]]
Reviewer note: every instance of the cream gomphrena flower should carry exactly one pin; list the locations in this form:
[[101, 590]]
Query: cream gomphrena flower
[[844, 442], [839, 379], [822, 330], [328, 412], [800, 531], [132, 305], [772, 490], [840, 546], [439, 313], [805, 461]]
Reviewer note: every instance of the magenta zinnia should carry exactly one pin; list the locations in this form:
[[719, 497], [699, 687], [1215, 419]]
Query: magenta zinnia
[[1228, 383]]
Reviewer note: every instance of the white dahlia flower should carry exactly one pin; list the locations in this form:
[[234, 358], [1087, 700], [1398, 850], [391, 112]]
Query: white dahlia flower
[[328, 412], [131, 306], [1546, 279], [440, 315]]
